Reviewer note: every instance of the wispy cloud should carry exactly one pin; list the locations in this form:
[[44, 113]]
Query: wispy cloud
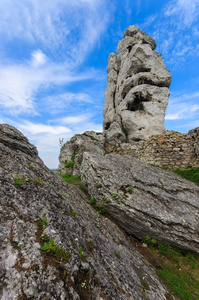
[[46, 137], [82, 118], [66, 32], [183, 106], [175, 30], [184, 10]]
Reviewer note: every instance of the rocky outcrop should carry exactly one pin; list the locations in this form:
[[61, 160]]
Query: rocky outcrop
[[10, 136], [145, 200], [137, 91], [71, 153], [36, 206]]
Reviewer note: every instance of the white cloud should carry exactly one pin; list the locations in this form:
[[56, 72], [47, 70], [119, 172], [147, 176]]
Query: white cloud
[[57, 24], [46, 137], [38, 58], [19, 85], [66, 32], [75, 119], [185, 10], [183, 106], [175, 30], [34, 129]]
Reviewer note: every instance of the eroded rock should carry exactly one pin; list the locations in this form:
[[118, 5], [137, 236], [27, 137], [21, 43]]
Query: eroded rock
[[137, 91], [30, 192], [145, 200], [72, 151]]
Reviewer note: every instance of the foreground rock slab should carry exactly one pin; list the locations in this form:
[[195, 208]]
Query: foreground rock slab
[[102, 262], [145, 200]]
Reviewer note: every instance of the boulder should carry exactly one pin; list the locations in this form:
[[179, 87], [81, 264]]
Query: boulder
[[71, 153], [144, 200], [36, 207], [137, 93]]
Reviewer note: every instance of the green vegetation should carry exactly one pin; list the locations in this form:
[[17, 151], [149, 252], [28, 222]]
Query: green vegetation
[[42, 223], [81, 254], [117, 254], [190, 173], [105, 199], [145, 284], [125, 131], [115, 196], [93, 201], [100, 209], [70, 164], [98, 185], [129, 190], [73, 213], [83, 188], [68, 177], [97, 279], [179, 271], [75, 180], [56, 251], [18, 180]]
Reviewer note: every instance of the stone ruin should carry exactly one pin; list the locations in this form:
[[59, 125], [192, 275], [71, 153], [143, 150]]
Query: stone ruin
[[137, 91]]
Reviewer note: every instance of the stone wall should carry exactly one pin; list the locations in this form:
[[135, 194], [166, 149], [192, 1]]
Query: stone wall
[[169, 149]]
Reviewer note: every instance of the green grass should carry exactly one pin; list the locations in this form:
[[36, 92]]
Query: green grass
[[68, 177], [180, 284], [179, 271], [190, 173]]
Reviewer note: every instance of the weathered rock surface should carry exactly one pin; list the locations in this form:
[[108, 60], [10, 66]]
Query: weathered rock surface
[[145, 200], [72, 151], [29, 192], [137, 91], [13, 138]]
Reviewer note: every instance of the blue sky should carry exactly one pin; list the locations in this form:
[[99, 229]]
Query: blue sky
[[53, 58]]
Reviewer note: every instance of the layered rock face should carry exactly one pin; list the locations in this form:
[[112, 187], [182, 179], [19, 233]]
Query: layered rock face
[[137, 91], [37, 205], [145, 200]]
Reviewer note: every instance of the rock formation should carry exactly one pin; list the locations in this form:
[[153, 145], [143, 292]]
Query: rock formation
[[137, 91], [144, 200], [37, 205], [72, 151]]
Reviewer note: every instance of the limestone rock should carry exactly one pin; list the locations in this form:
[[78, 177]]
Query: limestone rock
[[72, 151], [14, 139], [30, 192], [137, 91], [145, 200]]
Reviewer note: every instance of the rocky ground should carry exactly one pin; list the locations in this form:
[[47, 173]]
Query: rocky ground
[[85, 256]]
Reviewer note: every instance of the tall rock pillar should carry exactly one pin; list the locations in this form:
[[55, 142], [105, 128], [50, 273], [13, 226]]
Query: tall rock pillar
[[137, 89]]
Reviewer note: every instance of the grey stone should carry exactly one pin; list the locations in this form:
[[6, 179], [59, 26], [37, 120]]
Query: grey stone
[[14, 139], [145, 200], [137, 92], [73, 150], [26, 272]]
